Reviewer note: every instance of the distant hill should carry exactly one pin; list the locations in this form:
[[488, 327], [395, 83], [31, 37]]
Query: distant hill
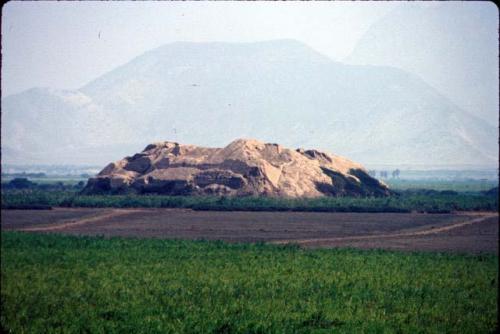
[[279, 91], [452, 45]]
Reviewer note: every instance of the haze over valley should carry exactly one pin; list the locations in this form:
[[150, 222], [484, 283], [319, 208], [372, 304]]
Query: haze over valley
[[391, 100], [212, 93]]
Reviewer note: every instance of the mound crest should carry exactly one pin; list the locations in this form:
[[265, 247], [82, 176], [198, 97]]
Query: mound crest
[[244, 167]]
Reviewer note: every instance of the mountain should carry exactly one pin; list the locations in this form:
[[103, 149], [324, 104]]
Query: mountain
[[43, 125], [244, 167], [452, 45], [280, 91]]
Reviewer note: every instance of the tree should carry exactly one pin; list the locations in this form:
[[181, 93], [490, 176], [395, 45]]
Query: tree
[[395, 173], [21, 183], [80, 185]]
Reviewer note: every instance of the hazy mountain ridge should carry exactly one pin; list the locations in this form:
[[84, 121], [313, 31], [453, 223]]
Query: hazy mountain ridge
[[49, 125], [278, 91], [452, 46]]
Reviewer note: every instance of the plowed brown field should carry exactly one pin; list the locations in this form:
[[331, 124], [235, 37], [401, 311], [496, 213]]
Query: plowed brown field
[[457, 232]]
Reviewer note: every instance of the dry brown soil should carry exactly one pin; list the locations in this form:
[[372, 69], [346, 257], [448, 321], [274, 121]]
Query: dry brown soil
[[457, 232]]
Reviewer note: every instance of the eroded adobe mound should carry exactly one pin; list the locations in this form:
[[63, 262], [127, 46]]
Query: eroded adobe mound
[[244, 167]]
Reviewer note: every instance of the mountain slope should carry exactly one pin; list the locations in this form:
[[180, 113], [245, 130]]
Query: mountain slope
[[453, 46], [43, 125], [279, 91]]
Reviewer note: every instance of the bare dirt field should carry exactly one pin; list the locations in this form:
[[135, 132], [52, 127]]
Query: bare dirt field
[[457, 232]]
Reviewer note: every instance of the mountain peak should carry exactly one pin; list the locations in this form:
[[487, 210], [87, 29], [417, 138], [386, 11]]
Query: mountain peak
[[280, 90], [282, 47]]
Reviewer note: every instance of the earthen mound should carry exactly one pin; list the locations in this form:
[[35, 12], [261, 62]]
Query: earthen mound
[[244, 167]]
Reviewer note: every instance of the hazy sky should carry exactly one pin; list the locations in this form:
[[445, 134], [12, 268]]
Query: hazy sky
[[67, 44]]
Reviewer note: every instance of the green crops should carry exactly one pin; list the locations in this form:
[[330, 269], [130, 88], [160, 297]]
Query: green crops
[[62, 284]]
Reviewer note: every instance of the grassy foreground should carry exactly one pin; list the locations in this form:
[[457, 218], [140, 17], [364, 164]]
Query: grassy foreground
[[54, 283]]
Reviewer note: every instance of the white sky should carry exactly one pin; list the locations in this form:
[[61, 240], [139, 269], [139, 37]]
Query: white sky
[[56, 44]]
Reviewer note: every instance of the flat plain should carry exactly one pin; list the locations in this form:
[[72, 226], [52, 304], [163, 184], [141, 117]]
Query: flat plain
[[471, 232]]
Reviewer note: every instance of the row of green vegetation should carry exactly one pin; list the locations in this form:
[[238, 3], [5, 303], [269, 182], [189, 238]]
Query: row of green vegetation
[[427, 201], [47, 185], [462, 185], [440, 196], [53, 283]]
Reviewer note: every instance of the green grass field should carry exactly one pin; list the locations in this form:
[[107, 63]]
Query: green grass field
[[62, 284]]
